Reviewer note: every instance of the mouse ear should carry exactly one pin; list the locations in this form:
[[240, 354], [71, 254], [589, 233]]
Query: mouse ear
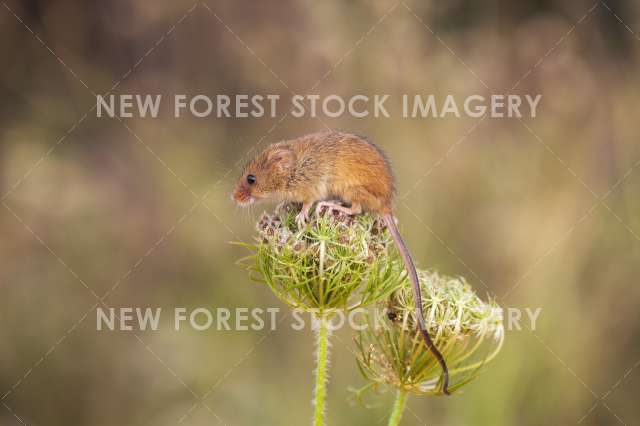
[[282, 158]]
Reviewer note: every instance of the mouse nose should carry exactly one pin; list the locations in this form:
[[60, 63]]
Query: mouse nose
[[241, 195]]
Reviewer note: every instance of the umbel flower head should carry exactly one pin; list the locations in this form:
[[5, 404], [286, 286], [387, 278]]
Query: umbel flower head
[[467, 331], [334, 262]]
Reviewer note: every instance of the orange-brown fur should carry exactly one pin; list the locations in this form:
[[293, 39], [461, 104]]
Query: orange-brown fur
[[321, 166]]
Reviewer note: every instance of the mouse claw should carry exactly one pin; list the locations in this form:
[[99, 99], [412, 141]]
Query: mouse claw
[[301, 219], [319, 207], [280, 208]]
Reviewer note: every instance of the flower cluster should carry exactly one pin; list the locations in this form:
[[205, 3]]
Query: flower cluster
[[467, 331], [335, 261]]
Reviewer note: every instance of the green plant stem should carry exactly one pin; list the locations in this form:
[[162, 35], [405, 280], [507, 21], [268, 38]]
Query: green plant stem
[[322, 358], [398, 408]]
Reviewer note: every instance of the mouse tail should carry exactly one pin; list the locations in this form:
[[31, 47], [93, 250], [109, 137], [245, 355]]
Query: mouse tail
[[415, 282]]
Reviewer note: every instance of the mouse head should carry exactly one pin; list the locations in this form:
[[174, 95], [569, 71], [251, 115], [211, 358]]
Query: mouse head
[[267, 176]]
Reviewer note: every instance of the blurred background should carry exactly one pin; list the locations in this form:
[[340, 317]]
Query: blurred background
[[540, 212]]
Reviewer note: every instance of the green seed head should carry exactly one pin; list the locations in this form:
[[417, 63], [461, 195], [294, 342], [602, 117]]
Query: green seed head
[[333, 262], [467, 331]]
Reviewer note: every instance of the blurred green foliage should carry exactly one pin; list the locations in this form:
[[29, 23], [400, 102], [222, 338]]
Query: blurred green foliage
[[537, 213]]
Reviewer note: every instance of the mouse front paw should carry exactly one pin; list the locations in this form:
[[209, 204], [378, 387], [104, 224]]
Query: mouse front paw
[[301, 219]]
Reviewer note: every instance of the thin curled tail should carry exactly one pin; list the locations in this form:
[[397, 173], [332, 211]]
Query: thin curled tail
[[413, 275]]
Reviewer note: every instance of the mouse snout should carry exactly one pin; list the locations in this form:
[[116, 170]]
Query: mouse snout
[[242, 196]]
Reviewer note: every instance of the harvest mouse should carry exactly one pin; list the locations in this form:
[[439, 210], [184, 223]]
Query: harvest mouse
[[332, 165]]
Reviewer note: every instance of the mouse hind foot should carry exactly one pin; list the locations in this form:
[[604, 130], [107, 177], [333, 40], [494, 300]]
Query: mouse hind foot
[[334, 206]]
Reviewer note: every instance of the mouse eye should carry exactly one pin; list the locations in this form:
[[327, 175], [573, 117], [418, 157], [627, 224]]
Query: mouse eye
[[251, 179]]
